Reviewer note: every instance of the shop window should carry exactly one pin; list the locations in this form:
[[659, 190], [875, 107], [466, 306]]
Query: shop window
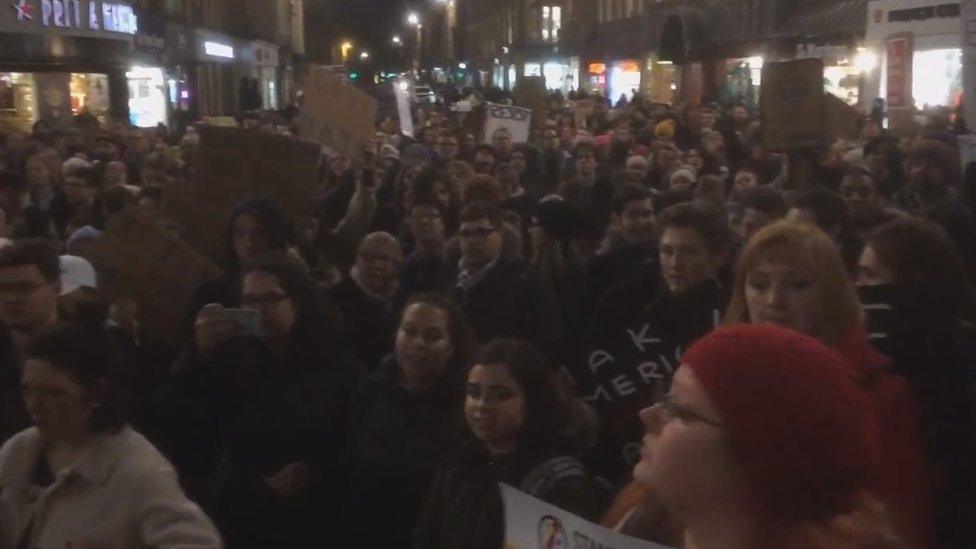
[[18, 100], [90, 92]]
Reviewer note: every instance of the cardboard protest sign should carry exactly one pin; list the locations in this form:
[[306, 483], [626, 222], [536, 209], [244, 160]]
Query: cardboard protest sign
[[516, 120], [531, 523], [235, 164], [140, 260], [792, 104], [841, 120], [531, 94], [336, 115]]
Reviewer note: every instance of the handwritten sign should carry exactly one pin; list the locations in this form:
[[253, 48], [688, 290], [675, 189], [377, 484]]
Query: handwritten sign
[[515, 119], [531, 523], [792, 104], [140, 260], [335, 114], [235, 164]]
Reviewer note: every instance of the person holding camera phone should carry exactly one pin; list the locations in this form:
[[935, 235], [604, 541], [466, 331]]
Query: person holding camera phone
[[261, 416]]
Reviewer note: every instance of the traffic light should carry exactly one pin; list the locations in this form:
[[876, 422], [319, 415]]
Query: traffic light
[[354, 75]]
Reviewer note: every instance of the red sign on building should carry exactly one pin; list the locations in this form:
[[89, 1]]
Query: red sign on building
[[900, 54]]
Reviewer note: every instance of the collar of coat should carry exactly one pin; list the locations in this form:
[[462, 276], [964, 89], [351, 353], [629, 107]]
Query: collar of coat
[[95, 465]]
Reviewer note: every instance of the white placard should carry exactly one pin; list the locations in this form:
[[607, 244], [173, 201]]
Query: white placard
[[402, 94], [516, 119], [531, 523]]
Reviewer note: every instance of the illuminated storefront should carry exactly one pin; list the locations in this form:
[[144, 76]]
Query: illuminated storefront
[[933, 29], [624, 80], [596, 78], [63, 58]]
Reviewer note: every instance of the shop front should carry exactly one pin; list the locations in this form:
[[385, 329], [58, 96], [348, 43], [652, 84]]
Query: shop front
[[624, 79], [64, 58], [922, 41], [596, 78], [560, 73], [146, 77], [215, 59], [260, 60]]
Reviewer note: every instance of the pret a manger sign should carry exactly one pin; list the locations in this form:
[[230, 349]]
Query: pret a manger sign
[[78, 15]]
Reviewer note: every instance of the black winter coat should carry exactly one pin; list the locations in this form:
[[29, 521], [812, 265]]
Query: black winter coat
[[402, 439], [510, 301], [464, 510], [369, 324], [239, 415], [13, 416]]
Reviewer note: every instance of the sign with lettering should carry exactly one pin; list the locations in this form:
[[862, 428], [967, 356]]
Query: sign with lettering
[[792, 104], [901, 51], [71, 17], [923, 13], [336, 115], [514, 119], [531, 523]]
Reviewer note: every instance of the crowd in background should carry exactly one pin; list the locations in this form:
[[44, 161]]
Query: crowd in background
[[642, 316]]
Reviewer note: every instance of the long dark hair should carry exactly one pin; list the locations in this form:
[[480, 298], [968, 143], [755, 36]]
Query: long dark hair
[[546, 406], [458, 328], [267, 214], [312, 319]]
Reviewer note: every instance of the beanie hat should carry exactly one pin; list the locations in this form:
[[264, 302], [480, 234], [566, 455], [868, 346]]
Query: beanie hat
[[76, 272], [794, 415], [665, 130], [83, 233], [417, 152], [389, 152], [687, 173]]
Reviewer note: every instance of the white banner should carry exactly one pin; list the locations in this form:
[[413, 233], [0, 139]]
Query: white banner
[[531, 523], [516, 119], [403, 108]]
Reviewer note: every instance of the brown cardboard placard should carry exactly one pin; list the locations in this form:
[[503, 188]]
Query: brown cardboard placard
[[792, 105], [335, 114], [841, 120], [235, 164], [531, 94], [140, 260]]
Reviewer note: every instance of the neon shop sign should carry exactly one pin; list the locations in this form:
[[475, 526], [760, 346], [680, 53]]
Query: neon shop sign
[[68, 14]]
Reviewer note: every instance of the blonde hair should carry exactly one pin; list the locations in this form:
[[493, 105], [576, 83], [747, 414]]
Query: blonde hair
[[806, 246]]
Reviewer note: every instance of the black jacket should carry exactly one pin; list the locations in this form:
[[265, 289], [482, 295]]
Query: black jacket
[[465, 507], [13, 416], [241, 414], [936, 352], [401, 440], [510, 301], [629, 363], [621, 263], [369, 323]]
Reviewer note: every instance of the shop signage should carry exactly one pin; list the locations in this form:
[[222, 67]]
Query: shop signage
[[900, 49], [814, 51], [76, 15], [217, 49], [923, 13]]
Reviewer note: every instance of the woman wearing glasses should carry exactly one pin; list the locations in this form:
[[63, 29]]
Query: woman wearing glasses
[[765, 440], [517, 416], [270, 408]]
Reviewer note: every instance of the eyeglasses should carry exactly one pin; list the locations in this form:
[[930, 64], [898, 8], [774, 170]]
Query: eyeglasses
[[262, 301], [475, 234], [668, 410], [378, 258]]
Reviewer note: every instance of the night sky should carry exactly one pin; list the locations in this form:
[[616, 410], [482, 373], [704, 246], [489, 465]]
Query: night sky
[[369, 23]]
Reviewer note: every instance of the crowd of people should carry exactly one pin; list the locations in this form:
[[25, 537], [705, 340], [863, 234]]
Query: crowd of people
[[642, 316]]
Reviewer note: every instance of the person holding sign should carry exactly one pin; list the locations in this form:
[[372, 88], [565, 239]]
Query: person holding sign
[[739, 455], [793, 275], [518, 417]]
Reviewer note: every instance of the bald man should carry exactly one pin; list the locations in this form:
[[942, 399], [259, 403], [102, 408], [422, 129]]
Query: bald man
[[370, 297]]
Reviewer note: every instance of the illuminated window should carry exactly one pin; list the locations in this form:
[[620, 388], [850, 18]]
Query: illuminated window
[[552, 22]]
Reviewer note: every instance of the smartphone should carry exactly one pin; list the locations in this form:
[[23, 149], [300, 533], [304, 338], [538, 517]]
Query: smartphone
[[248, 320]]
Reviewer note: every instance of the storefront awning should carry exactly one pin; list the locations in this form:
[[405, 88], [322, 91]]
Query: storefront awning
[[829, 19]]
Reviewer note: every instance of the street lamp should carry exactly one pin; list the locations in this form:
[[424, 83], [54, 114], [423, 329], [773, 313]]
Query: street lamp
[[364, 55], [413, 19], [397, 41]]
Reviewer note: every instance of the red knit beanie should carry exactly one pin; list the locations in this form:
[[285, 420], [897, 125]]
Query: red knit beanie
[[794, 416]]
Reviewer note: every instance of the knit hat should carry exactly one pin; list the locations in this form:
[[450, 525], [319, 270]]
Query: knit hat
[[687, 173], [417, 152], [794, 415], [665, 130], [76, 273], [389, 152], [83, 233]]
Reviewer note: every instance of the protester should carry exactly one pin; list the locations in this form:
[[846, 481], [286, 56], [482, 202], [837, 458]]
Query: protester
[[263, 414], [920, 307], [768, 470], [369, 299], [517, 414], [784, 276], [81, 477], [30, 283], [499, 296], [407, 422]]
